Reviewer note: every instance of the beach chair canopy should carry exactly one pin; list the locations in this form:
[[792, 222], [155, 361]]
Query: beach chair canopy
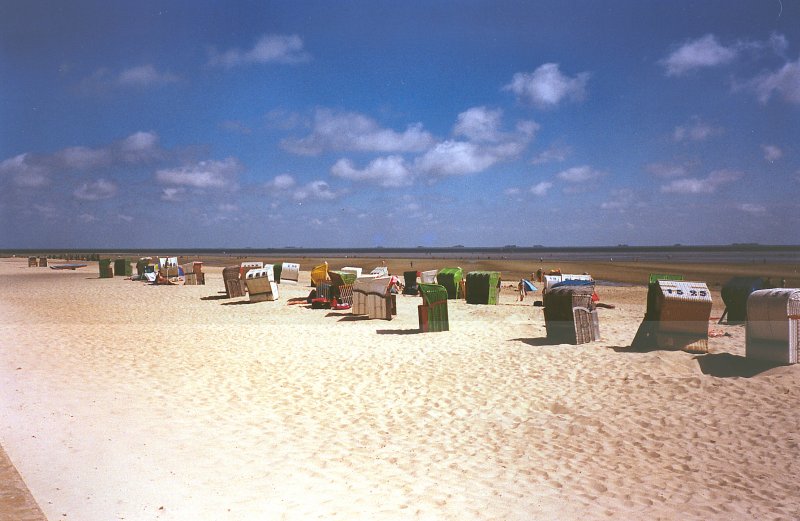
[[482, 287], [380, 271], [319, 273], [428, 277], [450, 278], [351, 269], [773, 325], [341, 277]]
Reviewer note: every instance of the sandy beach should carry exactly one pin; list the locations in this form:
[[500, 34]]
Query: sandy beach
[[122, 400]]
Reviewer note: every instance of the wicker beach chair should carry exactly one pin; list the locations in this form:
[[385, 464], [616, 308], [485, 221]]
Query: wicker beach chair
[[734, 295], [290, 273], [432, 313], [106, 269], [570, 316], [193, 274], [450, 278], [123, 268], [33, 262], [234, 286], [482, 287], [42, 262], [428, 277], [371, 297], [319, 274], [350, 269], [411, 286], [380, 271], [772, 331], [261, 284]]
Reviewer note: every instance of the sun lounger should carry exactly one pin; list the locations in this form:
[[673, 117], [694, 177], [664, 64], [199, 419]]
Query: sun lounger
[[772, 331]]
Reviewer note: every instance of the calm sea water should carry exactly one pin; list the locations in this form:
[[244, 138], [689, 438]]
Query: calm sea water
[[748, 254]]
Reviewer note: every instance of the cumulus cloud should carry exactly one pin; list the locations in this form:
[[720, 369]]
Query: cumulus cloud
[[580, 174], [280, 183], [172, 194], [144, 76], [621, 200], [547, 87], [665, 170], [540, 189], [751, 208], [24, 171], [696, 54], [389, 172], [315, 190], [96, 190], [552, 154], [771, 153], [337, 131], [783, 83], [705, 185], [456, 158], [695, 130], [204, 174], [270, 48], [512, 192], [82, 158], [479, 124]]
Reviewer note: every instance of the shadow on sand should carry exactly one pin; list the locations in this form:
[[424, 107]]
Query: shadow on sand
[[215, 297], [398, 331], [539, 342], [726, 365]]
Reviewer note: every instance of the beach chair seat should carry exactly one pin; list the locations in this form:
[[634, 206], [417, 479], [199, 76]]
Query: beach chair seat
[[261, 284], [772, 331], [234, 286], [371, 297], [432, 313], [569, 314]]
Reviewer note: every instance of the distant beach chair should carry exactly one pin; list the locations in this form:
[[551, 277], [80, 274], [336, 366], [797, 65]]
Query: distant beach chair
[[106, 270], [371, 297], [193, 274], [261, 284], [42, 262], [482, 287], [677, 316], [570, 316], [33, 262], [234, 286], [411, 286], [342, 287], [450, 278], [428, 277], [122, 268], [772, 331], [319, 274], [353, 270], [432, 313], [735, 293], [289, 273], [380, 271]]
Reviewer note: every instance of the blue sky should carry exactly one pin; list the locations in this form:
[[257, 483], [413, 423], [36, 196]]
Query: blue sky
[[342, 124]]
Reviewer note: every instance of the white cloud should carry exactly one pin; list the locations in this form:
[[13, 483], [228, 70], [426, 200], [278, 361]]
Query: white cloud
[[87, 218], [479, 124], [95, 191], [695, 130], [227, 207], [784, 83], [389, 172], [455, 158], [315, 190], [579, 174], [512, 192], [24, 171], [622, 199], [47, 211], [540, 189], [80, 158], [270, 48], [126, 218], [771, 153], [172, 194], [552, 154], [352, 131], [751, 208], [280, 182], [696, 54], [706, 185], [547, 87], [205, 174], [144, 76], [666, 171]]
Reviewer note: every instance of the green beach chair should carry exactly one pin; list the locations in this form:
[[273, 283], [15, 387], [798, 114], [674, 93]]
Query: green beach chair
[[433, 311]]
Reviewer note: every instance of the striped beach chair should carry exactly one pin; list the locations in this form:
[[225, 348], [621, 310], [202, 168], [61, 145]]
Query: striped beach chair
[[432, 312]]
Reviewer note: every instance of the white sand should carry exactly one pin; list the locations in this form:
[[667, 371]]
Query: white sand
[[121, 400]]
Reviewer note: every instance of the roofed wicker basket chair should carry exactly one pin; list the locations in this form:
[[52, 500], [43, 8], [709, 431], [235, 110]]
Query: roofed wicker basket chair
[[428, 277], [42, 262], [193, 274], [342, 286], [234, 286], [772, 331], [432, 312], [261, 284], [123, 268], [319, 274], [33, 262], [106, 269], [372, 297], [483, 287], [570, 316], [677, 315], [411, 286], [450, 278], [289, 273], [734, 294]]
